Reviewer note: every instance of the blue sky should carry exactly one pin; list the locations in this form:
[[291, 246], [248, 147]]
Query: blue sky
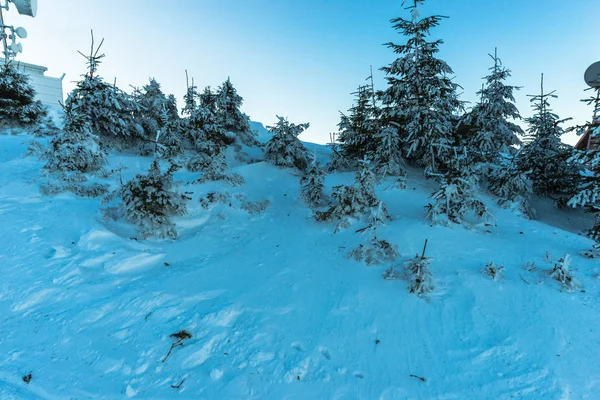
[[302, 59]]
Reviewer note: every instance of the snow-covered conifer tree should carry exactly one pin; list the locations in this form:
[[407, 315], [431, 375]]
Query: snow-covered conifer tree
[[72, 156], [158, 114], [284, 148], [492, 132], [357, 130], [420, 278], [421, 97], [169, 136], [190, 99], [366, 179], [110, 110], [588, 192], [228, 103], [337, 161], [149, 201], [376, 251], [388, 153], [562, 273], [456, 196], [18, 107], [357, 201], [211, 122], [544, 155], [512, 184], [213, 167], [311, 185], [191, 123], [75, 150], [201, 125]]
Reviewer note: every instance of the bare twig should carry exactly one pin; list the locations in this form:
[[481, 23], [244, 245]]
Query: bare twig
[[523, 279], [418, 377], [178, 386], [180, 336], [363, 229], [424, 248], [173, 345]]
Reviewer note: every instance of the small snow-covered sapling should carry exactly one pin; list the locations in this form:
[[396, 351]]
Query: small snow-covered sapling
[[421, 280], [252, 207], [311, 185], [391, 274], [562, 273], [493, 271], [530, 266], [377, 250]]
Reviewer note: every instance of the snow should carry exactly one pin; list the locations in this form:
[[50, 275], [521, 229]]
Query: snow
[[275, 308]]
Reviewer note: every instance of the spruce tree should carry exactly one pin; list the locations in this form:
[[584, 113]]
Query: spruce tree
[[455, 199], [492, 131], [512, 184], [421, 97], [337, 161], [170, 140], [388, 152], [75, 150], [158, 117], [110, 110], [311, 185], [150, 201], [420, 278], [228, 103], [190, 99], [18, 107], [357, 130], [191, 123], [155, 107], [73, 156], [366, 179], [213, 167], [376, 251], [588, 192], [562, 273], [544, 155], [212, 124], [358, 201], [284, 148], [203, 129]]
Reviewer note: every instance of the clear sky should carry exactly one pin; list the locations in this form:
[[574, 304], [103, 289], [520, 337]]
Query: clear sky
[[302, 59]]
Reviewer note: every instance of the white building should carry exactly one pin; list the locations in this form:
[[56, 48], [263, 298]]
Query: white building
[[48, 90]]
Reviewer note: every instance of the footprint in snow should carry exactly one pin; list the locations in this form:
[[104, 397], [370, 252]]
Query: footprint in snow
[[297, 346], [325, 353]]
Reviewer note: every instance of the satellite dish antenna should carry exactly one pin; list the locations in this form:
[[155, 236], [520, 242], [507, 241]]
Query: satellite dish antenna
[[21, 32], [16, 47], [592, 75], [26, 7]]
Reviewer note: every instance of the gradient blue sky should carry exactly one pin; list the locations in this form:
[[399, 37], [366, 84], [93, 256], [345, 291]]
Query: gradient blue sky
[[301, 59]]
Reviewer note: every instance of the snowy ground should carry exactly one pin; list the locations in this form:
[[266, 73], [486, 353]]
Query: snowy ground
[[275, 308]]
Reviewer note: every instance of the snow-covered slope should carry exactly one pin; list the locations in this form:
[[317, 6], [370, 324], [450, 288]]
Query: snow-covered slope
[[275, 308]]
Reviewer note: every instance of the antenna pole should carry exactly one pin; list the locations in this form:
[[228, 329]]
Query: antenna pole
[[589, 142], [3, 35]]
